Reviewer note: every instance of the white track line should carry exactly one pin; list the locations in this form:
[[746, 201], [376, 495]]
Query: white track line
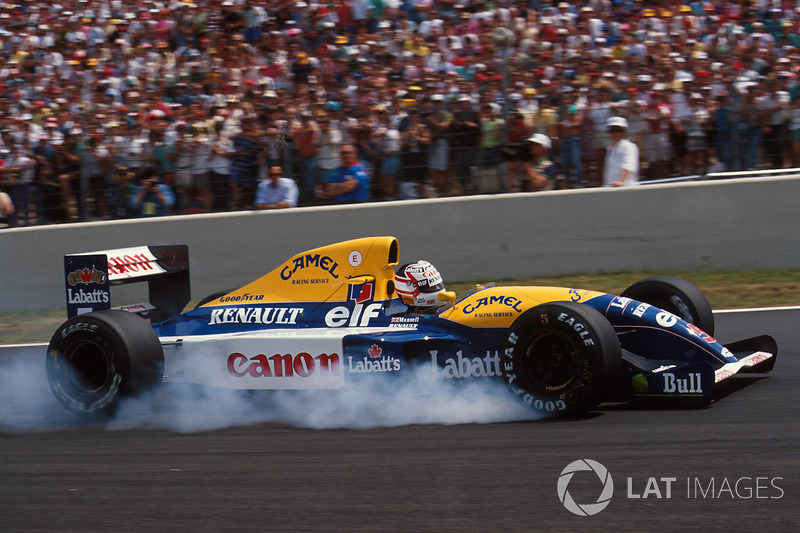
[[26, 345], [756, 309]]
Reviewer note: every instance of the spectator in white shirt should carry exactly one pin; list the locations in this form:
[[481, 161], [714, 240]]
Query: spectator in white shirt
[[330, 141], [622, 156], [276, 192]]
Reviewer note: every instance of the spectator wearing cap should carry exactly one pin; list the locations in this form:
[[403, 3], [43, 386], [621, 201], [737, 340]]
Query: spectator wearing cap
[[539, 171], [621, 166]]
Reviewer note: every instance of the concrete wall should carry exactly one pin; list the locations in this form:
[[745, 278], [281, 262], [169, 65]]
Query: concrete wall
[[716, 225]]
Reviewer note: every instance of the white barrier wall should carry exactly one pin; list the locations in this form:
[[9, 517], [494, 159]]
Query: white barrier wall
[[737, 224]]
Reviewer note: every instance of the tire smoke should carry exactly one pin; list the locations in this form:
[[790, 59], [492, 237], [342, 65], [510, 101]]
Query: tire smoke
[[378, 400]]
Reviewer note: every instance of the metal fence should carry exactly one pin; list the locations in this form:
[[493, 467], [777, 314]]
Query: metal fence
[[52, 196]]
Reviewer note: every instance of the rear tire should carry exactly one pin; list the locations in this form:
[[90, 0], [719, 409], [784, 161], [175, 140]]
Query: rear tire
[[676, 295], [214, 296], [97, 358], [560, 358]]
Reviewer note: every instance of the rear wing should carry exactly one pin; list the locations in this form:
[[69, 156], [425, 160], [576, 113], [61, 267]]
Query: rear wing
[[90, 276]]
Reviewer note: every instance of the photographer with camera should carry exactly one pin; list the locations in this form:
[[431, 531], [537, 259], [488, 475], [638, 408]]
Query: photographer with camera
[[152, 198]]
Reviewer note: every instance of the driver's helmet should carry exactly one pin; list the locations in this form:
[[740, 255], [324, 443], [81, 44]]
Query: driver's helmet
[[418, 284]]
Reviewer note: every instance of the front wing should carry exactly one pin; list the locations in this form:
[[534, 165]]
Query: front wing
[[700, 382]]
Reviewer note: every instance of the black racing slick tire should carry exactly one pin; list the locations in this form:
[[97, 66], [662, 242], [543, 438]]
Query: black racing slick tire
[[214, 296], [560, 358], [97, 358], [676, 295]]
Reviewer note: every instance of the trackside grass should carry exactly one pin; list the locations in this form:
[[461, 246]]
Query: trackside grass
[[724, 290]]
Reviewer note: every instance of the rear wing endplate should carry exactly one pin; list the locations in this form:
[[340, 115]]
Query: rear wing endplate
[[90, 276]]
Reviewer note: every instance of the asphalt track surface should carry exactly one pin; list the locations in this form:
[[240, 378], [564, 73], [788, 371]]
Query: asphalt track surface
[[471, 477]]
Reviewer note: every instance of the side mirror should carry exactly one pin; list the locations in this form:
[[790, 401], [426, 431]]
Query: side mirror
[[447, 296]]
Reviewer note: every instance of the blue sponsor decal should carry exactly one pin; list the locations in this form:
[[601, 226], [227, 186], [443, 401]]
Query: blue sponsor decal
[[693, 381]]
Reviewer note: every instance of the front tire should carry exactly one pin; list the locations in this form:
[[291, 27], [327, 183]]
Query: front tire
[[97, 358], [560, 358], [676, 295]]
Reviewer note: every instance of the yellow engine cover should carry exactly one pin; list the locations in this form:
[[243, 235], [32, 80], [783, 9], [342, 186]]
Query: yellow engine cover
[[500, 306]]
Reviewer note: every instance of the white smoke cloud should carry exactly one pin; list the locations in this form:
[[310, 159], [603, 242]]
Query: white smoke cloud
[[379, 400], [26, 402]]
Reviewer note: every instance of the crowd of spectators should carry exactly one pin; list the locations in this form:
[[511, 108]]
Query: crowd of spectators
[[193, 103]]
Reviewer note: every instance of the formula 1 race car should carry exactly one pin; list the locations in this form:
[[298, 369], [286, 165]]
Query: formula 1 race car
[[332, 315]]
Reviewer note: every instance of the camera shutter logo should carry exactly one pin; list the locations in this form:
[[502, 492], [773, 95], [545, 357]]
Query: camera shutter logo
[[586, 509]]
